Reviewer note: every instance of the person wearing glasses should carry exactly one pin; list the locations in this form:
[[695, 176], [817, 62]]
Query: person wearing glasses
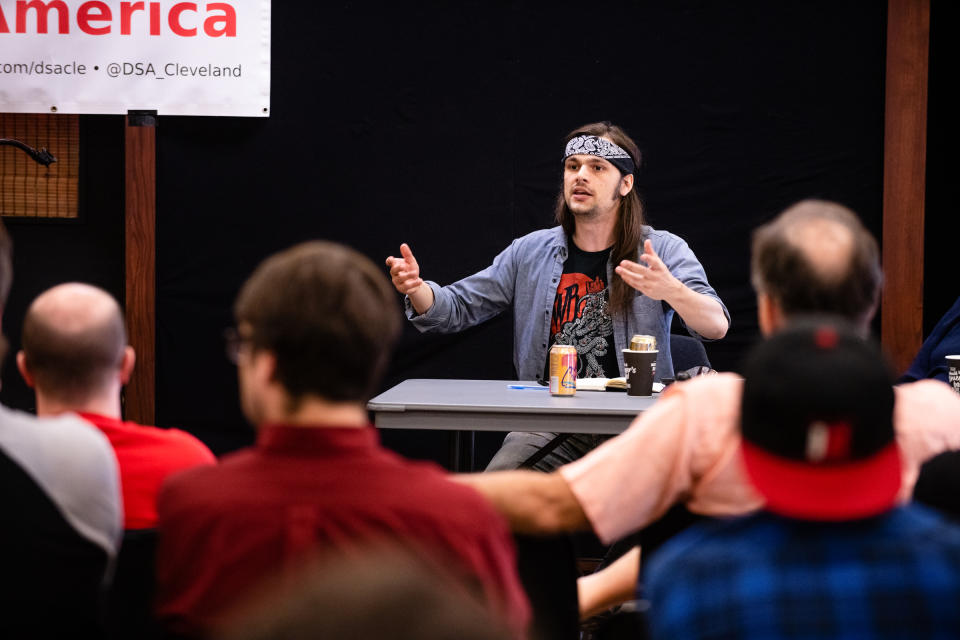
[[316, 325]]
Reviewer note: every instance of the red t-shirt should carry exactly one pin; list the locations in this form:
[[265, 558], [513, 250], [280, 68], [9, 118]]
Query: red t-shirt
[[302, 490], [146, 456]]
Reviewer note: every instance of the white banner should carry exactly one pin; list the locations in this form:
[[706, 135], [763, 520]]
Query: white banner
[[178, 58]]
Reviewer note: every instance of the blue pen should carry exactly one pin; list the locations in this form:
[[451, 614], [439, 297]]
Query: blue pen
[[525, 386]]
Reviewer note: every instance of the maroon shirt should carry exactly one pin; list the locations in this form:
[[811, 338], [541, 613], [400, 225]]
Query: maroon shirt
[[224, 528], [146, 456]]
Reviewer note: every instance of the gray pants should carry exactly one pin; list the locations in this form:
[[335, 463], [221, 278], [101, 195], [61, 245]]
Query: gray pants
[[519, 446]]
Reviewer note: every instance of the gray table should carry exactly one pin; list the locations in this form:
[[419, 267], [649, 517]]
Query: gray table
[[489, 405]]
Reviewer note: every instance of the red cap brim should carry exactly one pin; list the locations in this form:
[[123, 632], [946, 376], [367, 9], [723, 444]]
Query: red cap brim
[[807, 491]]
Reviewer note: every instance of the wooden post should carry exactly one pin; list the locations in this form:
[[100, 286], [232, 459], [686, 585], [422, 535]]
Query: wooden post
[[140, 261], [904, 178]]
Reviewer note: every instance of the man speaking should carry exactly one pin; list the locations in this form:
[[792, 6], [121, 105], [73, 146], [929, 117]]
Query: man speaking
[[594, 281]]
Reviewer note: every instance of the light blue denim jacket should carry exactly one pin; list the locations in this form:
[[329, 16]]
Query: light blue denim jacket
[[526, 274]]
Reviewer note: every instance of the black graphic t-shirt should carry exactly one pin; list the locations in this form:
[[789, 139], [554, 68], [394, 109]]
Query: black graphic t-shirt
[[580, 316]]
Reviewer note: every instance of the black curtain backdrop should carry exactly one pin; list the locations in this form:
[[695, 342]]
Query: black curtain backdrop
[[442, 126], [86, 249], [940, 286]]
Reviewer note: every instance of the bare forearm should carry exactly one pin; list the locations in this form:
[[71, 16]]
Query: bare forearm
[[532, 502], [700, 312], [421, 298], [609, 587]]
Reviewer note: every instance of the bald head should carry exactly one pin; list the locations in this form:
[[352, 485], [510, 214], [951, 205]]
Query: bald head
[[817, 257], [73, 341]]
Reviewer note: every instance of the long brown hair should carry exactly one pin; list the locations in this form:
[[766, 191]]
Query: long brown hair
[[629, 229]]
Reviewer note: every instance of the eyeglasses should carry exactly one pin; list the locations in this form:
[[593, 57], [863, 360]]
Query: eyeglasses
[[234, 343]]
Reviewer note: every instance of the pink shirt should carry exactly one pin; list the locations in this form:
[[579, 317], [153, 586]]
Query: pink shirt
[[686, 449]]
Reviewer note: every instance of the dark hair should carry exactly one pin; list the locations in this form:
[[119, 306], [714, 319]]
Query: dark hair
[[328, 314], [782, 267], [629, 229], [6, 278], [73, 365], [365, 596]]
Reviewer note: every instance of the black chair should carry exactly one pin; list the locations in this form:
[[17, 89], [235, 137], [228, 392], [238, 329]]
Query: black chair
[[548, 571], [687, 352], [938, 485], [129, 610]]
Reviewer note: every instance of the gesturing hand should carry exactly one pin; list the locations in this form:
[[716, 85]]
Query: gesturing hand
[[653, 279], [405, 272]]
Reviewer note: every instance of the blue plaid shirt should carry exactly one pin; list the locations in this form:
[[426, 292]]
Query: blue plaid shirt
[[763, 576]]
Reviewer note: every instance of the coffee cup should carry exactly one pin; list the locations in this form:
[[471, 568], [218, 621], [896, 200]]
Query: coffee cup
[[640, 367], [953, 372]]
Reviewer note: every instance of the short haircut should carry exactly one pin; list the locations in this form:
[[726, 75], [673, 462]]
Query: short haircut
[[328, 314], [782, 268], [68, 365]]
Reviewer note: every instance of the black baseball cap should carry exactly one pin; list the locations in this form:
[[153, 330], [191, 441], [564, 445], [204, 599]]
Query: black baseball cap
[[817, 423]]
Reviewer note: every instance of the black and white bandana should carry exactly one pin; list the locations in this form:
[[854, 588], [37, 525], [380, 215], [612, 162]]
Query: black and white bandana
[[602, 148]]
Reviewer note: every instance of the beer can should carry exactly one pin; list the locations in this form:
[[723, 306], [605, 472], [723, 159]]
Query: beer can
[[563, 370], [643, 343]]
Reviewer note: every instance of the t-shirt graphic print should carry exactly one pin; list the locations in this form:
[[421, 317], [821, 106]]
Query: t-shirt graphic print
[[580, 316]]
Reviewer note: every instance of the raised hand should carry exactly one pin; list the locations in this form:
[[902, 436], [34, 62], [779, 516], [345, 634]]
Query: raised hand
[[652, 279], [404, 271], [405, 275]]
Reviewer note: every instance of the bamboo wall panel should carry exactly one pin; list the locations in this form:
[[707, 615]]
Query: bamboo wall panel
[[28, 189]]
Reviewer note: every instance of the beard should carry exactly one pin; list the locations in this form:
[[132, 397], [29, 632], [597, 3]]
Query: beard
[[594, 212], [585, 214]]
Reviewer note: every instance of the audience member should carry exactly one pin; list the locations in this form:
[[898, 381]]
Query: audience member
[[815, 257], [76, 358], [830, 555], [939, 482], [943, 341], [382, 595], [315, 327], [63, 517]]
